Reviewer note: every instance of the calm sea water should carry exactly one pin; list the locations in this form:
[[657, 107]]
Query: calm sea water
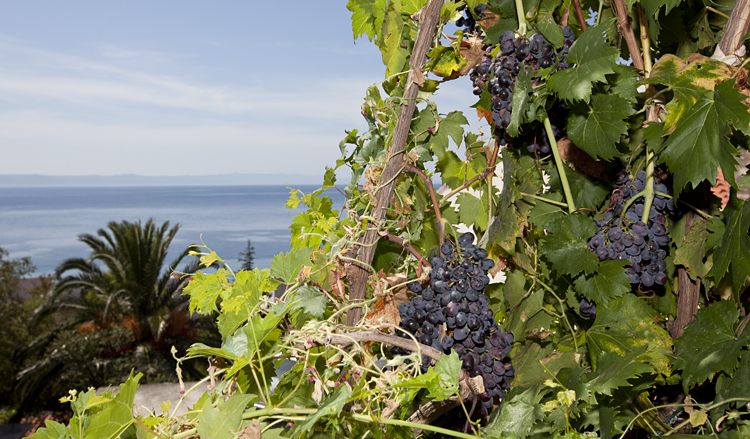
[[44, 222]]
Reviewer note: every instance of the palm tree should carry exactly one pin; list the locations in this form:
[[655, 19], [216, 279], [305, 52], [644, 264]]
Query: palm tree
[[125, 274], [124, 282]]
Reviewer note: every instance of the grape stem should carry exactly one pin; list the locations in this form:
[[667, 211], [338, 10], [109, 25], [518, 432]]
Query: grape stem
[[648, 190], [423, 262], [544, 200], [579, 15], [560, 167], [521, 18], [435, 204]]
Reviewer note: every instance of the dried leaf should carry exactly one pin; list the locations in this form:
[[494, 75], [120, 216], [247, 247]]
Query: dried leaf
[[385, 310], [472, 50], [252, 431], [581, 161], [721, 189]]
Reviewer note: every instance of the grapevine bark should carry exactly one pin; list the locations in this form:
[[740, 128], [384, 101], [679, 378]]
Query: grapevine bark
[[359, 272]]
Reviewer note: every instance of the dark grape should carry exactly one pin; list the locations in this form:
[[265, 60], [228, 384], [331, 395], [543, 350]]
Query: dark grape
[[452, 314], [622, 235]]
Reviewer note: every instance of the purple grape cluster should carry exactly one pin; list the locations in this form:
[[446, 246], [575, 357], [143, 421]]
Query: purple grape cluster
[[453, 313], [498, 75], [622, 235], [587, 309], [467, 20]]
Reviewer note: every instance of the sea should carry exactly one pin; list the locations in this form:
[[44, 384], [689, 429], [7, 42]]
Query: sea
[[44, 223]]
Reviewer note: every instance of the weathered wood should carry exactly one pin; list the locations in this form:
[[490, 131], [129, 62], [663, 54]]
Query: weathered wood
[[358, 272]]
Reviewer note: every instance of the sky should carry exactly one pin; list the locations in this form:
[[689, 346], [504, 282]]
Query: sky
[[174, 87]]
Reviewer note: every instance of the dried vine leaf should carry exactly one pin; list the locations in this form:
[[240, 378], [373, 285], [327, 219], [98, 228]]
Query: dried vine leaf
[[721, 188], [387, 299]]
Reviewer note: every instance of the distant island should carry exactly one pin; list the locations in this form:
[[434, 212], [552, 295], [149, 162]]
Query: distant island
[[26, 180]]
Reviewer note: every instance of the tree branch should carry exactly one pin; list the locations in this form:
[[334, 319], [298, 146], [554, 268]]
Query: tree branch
[[423, 262], [579, 15], [381, 337], [623, 26], [435, 204], [688, 294], [357, 273]]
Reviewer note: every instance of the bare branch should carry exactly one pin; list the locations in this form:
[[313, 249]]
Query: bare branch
[[435, 204], [623, 26]]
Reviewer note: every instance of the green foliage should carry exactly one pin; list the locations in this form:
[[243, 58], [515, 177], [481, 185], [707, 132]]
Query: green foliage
[[292, 364]]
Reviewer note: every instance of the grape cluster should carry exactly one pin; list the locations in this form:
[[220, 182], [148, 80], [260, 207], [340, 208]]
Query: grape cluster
[[498, 74], [587, 309], [453, 313], [622, 235], [468, 21]]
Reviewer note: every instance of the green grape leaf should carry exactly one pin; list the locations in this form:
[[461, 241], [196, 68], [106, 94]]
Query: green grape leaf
[[692, 246], [736, 385], [332, 406], [393, 52], [472, 210], [698, 147], [690, 82], [565, 248], [587, 192], [449, 127], [367, 17], [599, 131], [614, 371], [731, 253], [652, 6], [223, 421], [521, 91], [593, 58], [287, 266], [709, 344], [204, 290], [625, 325], [440, 380], [624, 83], [517, 415], [311, 300], [51, 430], [116, 415], [608, 282], [545, 22]]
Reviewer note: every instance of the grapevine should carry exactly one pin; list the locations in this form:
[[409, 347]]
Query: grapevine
[[578, 269]]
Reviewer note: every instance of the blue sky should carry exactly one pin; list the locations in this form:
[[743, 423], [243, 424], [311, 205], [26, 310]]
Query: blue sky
[[180, 87]]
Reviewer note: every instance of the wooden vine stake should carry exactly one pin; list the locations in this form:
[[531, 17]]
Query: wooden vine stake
[[358, 272]]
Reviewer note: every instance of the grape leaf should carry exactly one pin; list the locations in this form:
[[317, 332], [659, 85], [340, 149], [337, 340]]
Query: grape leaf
[[332, 406], [521, 91], [449, 127], [311, 301], [614, 371], [593, 58], [738, 384], [547, 26], [692, 246], [116, 414], [565, 248], [731, 253], [204, 289], [628, 324], [440, 380], [393, 52], [599, 131], [367, 17], [709, 344], [689, 81], [609, 281], [472, 210], [698, 147], [624, 83], [517, 416], [286, 266]]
